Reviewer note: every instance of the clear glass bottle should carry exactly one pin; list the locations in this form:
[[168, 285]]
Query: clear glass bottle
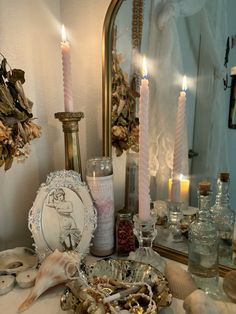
[[224, 218], [203, 244], [99, 177], [125, 239]]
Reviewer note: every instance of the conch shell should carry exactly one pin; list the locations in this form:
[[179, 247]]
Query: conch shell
[[57, 268]]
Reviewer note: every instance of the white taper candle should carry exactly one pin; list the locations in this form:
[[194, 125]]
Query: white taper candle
[[179, 144], [67, 76], [144, 194]]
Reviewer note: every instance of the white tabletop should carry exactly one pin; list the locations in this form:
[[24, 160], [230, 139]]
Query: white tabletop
[[49, 302]]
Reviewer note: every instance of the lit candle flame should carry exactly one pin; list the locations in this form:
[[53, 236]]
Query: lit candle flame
[[184, 84], [182, 177], [144, 66], [63, 33]]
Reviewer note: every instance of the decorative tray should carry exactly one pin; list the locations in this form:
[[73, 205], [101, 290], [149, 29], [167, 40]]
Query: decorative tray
[[117, 286]]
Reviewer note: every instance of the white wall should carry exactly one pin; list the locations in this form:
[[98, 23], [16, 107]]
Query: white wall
[[30, 40]]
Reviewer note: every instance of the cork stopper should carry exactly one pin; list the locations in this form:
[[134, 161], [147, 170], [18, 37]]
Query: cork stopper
[[204, 187], [224, 177]]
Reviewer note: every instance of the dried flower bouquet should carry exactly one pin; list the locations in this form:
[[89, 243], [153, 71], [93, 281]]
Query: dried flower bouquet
[[17, 128], [125, 126]]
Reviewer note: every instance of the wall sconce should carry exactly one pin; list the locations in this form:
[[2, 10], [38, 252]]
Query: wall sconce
[[232, 103]]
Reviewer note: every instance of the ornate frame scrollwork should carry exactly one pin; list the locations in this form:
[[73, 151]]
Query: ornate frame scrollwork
[[63, 216]]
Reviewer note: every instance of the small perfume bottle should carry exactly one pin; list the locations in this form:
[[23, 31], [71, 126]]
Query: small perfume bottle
[[203, 243], [224, 218]]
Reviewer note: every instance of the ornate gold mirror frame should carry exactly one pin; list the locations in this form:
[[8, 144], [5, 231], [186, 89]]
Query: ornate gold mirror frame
[[107, 103], [106, 74]]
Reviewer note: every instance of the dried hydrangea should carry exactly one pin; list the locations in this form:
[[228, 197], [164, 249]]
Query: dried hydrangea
[[17, 128], [125, 125]]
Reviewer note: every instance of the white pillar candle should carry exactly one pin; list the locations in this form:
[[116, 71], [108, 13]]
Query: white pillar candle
[[67, 76], [184, 191], [179, 144], [144, 195]]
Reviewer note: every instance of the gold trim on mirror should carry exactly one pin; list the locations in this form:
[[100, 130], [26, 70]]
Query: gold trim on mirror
[[106, 74], [183, 257]]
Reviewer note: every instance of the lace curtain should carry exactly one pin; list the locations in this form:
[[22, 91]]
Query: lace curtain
[[166, 68]]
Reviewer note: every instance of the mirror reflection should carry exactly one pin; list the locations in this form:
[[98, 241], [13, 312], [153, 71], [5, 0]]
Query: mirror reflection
[[192, 38]]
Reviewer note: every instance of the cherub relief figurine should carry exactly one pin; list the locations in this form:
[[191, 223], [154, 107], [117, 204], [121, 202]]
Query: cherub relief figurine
[[69, 233]]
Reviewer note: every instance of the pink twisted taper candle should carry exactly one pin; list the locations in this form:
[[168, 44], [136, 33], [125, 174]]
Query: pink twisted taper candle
[[178, 146], [67, 77], [144, 197]]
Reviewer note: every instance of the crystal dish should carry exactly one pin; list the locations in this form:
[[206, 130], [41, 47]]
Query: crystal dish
[[108, 277]]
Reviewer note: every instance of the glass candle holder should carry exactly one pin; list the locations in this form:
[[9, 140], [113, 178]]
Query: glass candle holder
[[174, 217], [145, 232], [99, 177]]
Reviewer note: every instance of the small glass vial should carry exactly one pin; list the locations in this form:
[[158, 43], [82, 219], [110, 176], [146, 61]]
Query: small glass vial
[[224, 218], [125, 239], [99, 177], [203, 243]]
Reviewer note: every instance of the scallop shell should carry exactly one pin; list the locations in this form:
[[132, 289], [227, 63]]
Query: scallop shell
[[198, 302], [57, 268], [180, 281]]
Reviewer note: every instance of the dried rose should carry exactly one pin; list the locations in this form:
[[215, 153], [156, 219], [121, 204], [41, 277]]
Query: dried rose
[[32, 130], [4, 132], [119, 132]]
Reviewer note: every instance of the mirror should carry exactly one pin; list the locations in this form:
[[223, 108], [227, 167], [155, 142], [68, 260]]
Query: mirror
[[176, 40]]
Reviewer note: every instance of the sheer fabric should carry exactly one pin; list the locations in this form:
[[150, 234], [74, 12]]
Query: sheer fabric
[[166, 61]]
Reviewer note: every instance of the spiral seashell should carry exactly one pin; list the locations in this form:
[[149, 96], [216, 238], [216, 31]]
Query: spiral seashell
[[57, 268]]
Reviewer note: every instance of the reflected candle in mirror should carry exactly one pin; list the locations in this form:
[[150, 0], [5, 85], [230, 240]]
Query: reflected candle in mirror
[[143, 174], [67, 76], [184, 191], [179, 144]]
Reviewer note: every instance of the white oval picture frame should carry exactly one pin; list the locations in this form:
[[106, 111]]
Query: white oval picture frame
[[63, 215]]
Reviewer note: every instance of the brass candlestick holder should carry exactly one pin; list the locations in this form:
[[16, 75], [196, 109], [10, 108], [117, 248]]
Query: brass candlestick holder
[[71, 137]]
